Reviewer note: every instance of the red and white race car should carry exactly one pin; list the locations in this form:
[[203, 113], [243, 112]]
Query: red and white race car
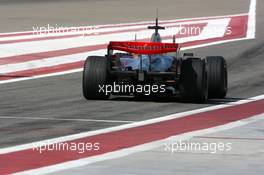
[[156, 64]]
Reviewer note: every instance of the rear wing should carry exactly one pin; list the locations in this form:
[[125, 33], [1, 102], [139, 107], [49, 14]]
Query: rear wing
[[143, 47]]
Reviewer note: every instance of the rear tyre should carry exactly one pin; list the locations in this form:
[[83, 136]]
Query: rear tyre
[[193, 81], [94, 77], [217, 77]]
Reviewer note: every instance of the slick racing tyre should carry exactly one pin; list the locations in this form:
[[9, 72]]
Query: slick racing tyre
[[193, 80], [94, 77], [217, 77]]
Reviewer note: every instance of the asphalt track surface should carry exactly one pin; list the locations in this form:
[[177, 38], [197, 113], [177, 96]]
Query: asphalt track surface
[[60, 97]]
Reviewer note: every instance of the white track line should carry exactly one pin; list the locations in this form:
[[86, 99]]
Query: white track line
[[252, 19], [42, 76], [48, 62], [67, 119]]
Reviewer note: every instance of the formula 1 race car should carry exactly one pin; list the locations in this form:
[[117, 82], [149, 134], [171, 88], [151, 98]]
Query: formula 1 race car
[[156, 68]]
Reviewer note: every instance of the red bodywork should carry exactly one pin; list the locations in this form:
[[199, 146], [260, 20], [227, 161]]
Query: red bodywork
[[143, 47]]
